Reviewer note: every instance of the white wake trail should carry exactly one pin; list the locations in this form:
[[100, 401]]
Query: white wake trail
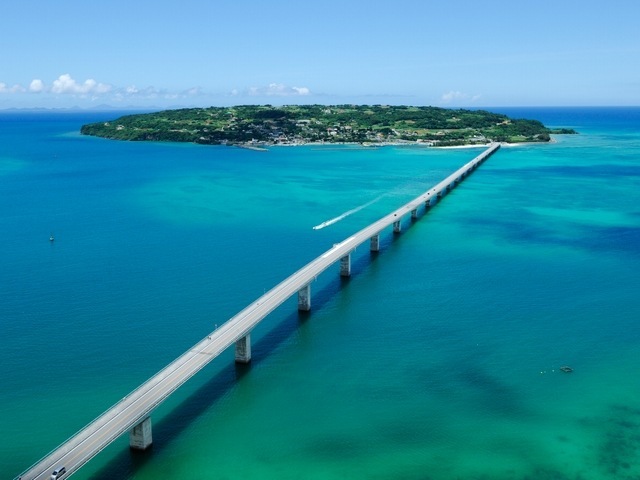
[[346, 214]]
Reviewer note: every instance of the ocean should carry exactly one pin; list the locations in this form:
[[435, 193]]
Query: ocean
[[439, 358]]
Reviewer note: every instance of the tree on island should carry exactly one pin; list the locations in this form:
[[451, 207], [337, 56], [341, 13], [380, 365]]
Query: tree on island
[[299, 124]]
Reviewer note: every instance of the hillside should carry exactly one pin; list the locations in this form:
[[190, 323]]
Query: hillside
[[301, 124]]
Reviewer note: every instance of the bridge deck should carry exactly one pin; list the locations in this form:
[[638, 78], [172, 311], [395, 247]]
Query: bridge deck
[[136, 406]]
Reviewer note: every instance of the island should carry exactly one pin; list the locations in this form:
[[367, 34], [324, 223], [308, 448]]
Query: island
[[258, 126]]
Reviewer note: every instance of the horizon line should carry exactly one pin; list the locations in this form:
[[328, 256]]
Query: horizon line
[[103, 108]]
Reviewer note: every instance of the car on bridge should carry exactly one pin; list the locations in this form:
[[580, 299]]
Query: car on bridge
[[58, 473]]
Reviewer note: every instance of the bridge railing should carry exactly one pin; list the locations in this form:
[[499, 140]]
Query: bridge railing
[[336, 252]]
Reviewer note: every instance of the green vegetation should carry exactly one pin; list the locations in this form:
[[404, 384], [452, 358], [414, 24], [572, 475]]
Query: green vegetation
[[300, 124]]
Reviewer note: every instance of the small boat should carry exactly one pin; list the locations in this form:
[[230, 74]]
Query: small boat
[[566, 369], [51, 238]]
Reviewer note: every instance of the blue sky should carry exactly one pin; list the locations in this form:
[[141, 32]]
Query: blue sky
[[453, 53]]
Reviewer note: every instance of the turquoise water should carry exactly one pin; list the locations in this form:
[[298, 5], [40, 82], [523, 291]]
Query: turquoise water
[[437, 359]]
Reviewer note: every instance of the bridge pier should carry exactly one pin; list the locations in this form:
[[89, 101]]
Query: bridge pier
[[345, 265], [140, 435], [132, 412], [414, 214], [304, 298], [375, 243], [427, 205], [243, 349]]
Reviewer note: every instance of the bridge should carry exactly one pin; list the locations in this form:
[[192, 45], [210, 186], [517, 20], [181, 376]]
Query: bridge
[[132, 413]]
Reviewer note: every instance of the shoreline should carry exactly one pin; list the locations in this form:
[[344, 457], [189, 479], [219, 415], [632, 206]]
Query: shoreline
[[266, 147], [263, 126]]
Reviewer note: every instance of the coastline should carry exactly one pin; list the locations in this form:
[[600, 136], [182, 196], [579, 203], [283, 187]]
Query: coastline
[[266, 147], [484, 389], [292, 125]]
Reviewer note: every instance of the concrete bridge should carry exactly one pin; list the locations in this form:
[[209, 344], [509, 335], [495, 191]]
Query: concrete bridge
[[133, 412]]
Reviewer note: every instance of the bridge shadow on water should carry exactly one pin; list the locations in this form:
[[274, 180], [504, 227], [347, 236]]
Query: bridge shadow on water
[[128, 461]]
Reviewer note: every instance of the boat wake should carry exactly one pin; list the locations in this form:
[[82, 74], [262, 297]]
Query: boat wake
[[346, 214]]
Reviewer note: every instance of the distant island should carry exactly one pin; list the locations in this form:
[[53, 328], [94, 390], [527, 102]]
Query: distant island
[[265, 125]]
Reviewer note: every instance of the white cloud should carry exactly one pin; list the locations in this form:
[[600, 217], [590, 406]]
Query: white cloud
[[4, 88], [101, 87], [151, 92], [148, 92], [193, 92], [65, 89], [36, 86], [302, 90], [455, 96], [278, 90], [65, 84]]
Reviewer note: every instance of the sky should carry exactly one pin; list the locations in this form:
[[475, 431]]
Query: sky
[[200, 53]]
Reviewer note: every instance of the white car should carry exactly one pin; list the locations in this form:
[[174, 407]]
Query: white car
[[58, 473]]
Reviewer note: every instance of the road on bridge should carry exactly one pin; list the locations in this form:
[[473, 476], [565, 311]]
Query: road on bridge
[[137, 406]]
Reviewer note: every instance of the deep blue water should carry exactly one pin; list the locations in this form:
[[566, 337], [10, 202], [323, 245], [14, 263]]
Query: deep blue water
[[437, 359]]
